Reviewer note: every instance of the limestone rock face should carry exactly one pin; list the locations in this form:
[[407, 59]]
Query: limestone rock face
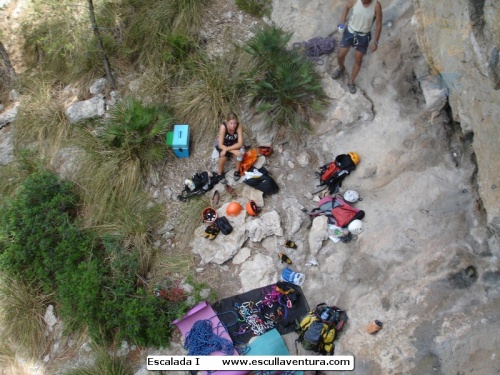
[[86, 109], [461, 44]]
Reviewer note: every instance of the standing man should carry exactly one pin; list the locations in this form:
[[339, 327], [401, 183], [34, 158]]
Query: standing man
[[357, 34]]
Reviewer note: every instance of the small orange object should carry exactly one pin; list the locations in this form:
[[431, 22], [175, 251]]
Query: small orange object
[[373, 327]]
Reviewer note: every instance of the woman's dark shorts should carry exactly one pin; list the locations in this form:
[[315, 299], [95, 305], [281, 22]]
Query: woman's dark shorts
[[358, 41]]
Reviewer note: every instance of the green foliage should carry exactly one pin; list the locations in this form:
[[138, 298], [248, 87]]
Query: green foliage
[[36, 232], [94, 278], [139, 130], [131, 141], [257, 8], [282, 85]]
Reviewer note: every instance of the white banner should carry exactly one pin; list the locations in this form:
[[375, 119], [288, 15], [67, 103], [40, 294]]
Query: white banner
[[251, 363]]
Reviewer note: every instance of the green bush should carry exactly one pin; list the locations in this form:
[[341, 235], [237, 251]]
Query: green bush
[[282, 85], [95, 279], [131, 141]]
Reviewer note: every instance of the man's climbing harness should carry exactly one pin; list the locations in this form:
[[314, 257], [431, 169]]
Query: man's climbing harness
[[316, 47]]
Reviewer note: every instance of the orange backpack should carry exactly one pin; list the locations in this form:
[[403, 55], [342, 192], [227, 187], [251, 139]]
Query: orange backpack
[[249, 159]]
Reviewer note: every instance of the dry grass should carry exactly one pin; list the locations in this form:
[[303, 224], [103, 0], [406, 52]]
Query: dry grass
[[41, 120], [211, 93], [109, 179], [12, 364], [22, 307], [104, 364]]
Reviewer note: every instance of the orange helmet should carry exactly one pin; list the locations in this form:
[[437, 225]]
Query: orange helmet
[[252, 208], [234, 209], [209, 215], [354, 157]]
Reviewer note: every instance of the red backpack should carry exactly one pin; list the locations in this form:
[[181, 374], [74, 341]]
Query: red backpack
[[337, 210], [344, 214]]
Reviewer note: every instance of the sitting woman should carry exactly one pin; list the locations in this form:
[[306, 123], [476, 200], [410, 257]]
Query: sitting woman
[[230, 144]]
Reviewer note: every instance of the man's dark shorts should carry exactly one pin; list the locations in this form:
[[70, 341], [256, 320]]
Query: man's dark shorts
[[359, 42]]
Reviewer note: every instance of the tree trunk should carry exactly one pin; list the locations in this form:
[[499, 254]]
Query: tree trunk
[[100, 46], [7, 63]]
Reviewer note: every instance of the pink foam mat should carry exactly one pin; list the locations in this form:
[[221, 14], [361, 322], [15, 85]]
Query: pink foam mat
[[203, 311]]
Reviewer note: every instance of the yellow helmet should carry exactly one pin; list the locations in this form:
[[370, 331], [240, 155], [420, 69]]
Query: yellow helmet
[[354, 157]]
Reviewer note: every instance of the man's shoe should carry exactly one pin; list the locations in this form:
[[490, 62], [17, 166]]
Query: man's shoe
[[337, 73], [352, 88]]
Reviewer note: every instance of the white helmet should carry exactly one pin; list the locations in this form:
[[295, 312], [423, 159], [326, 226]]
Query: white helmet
[[355, 226], [351, 196]]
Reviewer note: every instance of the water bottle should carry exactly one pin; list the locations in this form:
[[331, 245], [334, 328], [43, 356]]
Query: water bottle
[[242, 151], [341, 27]]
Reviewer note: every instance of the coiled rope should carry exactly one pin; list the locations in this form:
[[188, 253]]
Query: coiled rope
[[316, 47], [201, 340]]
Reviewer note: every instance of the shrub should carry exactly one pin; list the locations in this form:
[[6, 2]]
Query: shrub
[[282, 85], [131, 141], [94, 278]]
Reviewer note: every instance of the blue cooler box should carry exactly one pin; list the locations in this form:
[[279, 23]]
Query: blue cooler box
[[180, 141]]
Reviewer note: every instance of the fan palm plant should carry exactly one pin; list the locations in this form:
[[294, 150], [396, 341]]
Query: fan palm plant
[[282, 85]]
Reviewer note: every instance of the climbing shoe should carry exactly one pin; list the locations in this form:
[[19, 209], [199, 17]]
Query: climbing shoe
[[352, 88], [290, 244], [337, 73], [284, 258], [211, 231], [231, 191]]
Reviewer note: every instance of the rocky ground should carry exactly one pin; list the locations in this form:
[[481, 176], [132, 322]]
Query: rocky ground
[[425, 265]]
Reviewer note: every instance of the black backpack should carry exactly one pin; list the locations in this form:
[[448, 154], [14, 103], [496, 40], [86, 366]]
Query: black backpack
[[203, 182], [332, 174], [264, 183]]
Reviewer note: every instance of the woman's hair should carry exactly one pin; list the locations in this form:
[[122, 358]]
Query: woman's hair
[[231, 116]]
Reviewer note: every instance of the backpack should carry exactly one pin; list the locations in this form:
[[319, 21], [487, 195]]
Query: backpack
[[332, 174], [224, 225], [319, 328], [264, 183], [337, 210], [202, 182]]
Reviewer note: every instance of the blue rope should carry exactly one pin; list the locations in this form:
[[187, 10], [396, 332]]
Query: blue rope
[[201, 340]]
